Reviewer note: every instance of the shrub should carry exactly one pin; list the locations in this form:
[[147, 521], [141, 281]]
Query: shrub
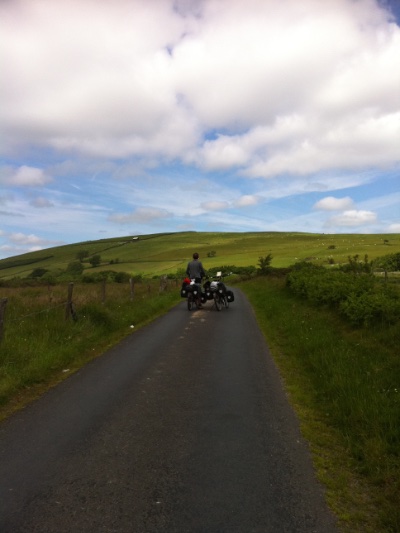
[[95, 260], [361, 299], [75, 268], [264, 265], [371, 307], [38, 272], [390, 262]]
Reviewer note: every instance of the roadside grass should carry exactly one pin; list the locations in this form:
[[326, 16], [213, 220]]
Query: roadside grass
[[40, 347], [345, 386]]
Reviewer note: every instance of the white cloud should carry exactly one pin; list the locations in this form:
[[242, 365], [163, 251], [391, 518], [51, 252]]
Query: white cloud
[[334, 204], [163, 110], [394, 228], [24, 176], [22, 239], [312, 85], [41, 202], [353, 218], [247, 200], [215, 205], [140, 215]]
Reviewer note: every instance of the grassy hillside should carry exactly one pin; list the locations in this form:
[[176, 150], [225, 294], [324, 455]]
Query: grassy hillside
[[166, 252]]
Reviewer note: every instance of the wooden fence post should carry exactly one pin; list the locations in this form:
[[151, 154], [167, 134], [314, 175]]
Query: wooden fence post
[[68, 308], [163, 283], [3, 303]]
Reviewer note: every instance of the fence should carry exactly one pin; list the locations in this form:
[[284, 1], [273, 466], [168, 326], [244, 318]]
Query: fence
[[86, 292]]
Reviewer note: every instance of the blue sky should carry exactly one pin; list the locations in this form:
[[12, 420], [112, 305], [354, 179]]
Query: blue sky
[[143, 116]]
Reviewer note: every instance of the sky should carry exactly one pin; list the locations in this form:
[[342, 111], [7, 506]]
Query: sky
[[130, 117]]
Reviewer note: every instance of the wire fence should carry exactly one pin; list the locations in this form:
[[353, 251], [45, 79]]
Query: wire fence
[[67, 302]]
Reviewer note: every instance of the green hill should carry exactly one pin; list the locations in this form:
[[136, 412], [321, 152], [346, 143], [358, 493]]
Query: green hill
[[164, 253]]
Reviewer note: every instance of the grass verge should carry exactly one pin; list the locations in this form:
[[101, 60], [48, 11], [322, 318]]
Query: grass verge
[[40, 348], [344, 385]]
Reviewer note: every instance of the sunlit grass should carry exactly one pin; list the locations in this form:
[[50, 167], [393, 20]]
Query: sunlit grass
[[164, 253], [39, 345], [344, 384]]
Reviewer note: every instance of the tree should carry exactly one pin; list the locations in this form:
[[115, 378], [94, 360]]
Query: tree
[[264, 265], [82, 254], [95, 260]]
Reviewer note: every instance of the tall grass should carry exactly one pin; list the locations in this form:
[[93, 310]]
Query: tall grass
[[40, 346], [345, 383]]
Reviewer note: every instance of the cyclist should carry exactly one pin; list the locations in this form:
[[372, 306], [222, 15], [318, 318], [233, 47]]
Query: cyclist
[[196, 271]]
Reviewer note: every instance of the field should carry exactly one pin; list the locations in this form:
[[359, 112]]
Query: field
[[159, 254], [341, 371]]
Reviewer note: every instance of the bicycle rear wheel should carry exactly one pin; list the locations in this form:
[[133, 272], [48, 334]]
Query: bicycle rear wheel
[[217, 301]]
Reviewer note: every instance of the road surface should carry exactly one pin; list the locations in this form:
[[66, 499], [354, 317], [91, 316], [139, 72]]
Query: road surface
[[183, 427]]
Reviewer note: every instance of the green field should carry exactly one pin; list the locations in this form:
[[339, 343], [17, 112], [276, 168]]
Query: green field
[[341, 379], [160, 254]]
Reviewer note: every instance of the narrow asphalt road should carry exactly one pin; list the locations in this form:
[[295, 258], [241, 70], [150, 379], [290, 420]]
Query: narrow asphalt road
[[183, 427]]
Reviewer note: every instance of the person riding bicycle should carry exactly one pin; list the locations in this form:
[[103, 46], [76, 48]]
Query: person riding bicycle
[[196, 271]]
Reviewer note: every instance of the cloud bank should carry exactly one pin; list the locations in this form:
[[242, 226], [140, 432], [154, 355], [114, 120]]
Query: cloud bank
[[267, 76], [185, 113]]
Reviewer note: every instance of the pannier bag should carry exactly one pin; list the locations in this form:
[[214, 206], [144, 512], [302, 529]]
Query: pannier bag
[[195, 289], [221, 287], [184, 287], [230, 296], [218, 286]]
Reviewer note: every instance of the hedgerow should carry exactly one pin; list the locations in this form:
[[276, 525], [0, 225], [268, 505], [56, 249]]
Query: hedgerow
[[362, 299]]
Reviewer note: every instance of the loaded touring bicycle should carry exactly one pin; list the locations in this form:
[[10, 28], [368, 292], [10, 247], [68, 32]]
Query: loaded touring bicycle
[[214, 290]]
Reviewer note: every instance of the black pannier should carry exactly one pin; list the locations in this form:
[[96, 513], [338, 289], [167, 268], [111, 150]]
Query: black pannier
[[221, 287], [184, 292], [195, 289], [230, 296]]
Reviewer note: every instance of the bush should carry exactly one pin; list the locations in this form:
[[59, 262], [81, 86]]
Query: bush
[[75, 268], [95, 260], [361, 299], [371, 307], [108, 275], [38, 272], [390, 262]]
